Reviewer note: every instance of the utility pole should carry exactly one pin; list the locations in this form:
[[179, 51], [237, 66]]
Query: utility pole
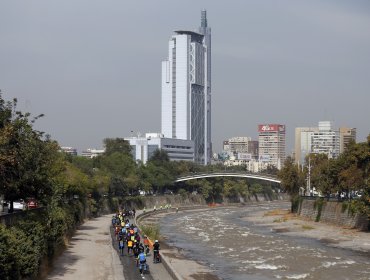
[[309, 176]]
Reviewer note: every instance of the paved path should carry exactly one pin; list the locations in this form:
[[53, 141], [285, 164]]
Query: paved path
[[89, 255], [157, 271], [93, 254]]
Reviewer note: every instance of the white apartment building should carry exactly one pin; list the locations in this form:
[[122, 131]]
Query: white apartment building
[[303, 143], [186, 89], [91, 153], [322, 139], [325, 141], [271, 144], [69, 150], [142, 148]]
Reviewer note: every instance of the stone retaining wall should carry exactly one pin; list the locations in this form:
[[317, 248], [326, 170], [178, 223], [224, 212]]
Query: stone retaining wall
[[332, 212]]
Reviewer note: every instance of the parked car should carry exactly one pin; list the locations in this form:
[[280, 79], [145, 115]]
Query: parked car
[[32, 203]]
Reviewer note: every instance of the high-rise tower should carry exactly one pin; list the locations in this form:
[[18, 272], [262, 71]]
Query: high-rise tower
[[186, 89]]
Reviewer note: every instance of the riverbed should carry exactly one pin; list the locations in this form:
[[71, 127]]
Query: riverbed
[[233, 245]]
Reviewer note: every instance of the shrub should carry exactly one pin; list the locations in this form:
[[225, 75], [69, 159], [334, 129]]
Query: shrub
[[152, 231], [296, 202], [319, 203]]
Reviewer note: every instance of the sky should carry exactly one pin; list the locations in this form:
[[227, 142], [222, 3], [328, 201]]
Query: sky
[[93, 67]]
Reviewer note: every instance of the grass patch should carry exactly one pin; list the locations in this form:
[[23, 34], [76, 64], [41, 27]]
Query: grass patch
[[276, 212], [152, 231], [307, 227], [280, 220]]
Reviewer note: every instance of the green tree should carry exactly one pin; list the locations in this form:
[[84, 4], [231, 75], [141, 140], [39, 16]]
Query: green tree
[[322, 177], [291, 177], [159, 157], [25, 156], [116, 145]]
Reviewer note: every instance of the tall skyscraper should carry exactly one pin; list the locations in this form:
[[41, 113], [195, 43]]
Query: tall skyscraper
[[186, 89], [271, 144]]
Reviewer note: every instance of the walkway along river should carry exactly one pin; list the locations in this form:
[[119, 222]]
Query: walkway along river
[[235, 247]]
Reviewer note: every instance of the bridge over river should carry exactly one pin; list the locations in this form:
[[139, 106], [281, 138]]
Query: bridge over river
[[194, 176]]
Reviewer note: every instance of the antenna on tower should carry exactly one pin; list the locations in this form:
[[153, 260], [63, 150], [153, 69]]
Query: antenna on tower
[[204, 18]]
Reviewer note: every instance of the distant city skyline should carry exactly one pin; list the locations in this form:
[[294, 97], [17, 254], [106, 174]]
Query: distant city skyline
[[93, 68]]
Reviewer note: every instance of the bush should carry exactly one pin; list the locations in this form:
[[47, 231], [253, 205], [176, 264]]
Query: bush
[[8, 260], [296, 202], [152, 231], [183, 193], [22, 249], [319, 203]]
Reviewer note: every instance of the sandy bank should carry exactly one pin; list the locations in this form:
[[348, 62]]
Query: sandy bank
[[283, 222]]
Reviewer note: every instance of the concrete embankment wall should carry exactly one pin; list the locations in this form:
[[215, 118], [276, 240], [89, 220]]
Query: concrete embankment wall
[[334, 213], [196, 200]]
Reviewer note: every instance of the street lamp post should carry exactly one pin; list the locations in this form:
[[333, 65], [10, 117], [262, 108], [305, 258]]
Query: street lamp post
[[309, 176]]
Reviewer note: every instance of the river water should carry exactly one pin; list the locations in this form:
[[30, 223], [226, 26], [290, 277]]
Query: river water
[[234, 248]]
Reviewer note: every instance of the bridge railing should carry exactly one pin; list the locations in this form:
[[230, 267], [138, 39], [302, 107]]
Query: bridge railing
[[227, 173]]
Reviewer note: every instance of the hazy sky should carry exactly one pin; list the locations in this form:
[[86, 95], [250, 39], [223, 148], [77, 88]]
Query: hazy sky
[[93, 67]]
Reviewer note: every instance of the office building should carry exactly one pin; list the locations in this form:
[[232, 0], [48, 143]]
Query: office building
[[91, 153], [303, 143], [325, 140], [346, 136], [253, 148], [242, 145], [186, 89], [142, 148], [239, 144], [69, 150], [271, 144], [225, 146]]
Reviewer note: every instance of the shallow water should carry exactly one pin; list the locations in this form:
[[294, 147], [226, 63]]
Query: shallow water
[[237, 249]]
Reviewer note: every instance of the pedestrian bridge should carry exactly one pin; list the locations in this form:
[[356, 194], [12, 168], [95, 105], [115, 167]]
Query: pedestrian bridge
[[269, 178]]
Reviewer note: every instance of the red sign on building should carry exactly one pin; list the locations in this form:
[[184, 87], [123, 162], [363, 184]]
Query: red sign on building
[[271, 128]]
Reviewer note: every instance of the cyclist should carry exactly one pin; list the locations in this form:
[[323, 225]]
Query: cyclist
[[141, 248], [156, 249], [142, 262], [130, 244], [146, 244], [121, 245], [136, 249]]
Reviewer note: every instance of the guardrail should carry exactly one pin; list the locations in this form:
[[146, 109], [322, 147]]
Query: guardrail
[[335, 199]]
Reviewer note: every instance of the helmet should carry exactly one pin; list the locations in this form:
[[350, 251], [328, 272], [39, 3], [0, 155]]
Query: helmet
[[156, 241]]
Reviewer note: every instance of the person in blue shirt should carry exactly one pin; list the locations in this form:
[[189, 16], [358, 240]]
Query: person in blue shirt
[[142, 262]]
